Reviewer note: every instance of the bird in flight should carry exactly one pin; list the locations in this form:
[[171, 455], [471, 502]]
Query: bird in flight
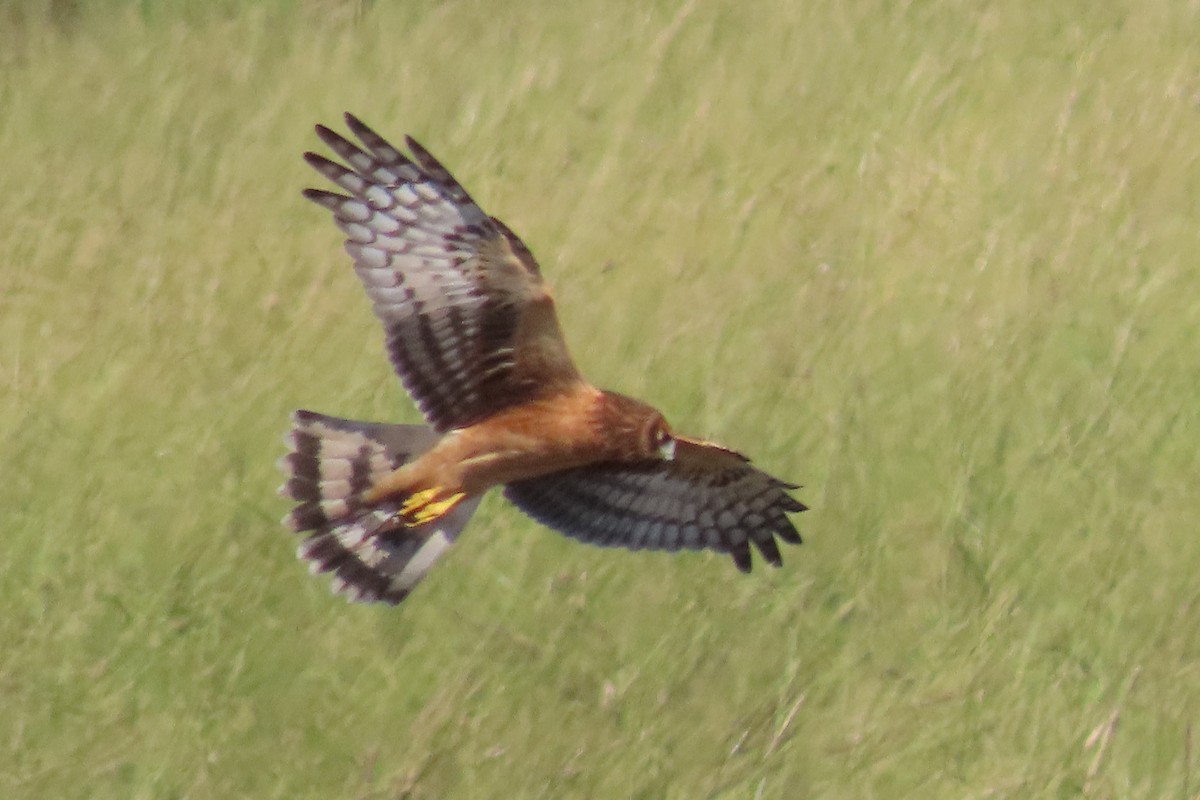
[[471, 331]]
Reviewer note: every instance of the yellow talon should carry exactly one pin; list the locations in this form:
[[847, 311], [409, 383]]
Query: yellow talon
[[424, 506]]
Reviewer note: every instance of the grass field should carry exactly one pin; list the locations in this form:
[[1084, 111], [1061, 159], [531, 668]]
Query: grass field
[[937, 261]]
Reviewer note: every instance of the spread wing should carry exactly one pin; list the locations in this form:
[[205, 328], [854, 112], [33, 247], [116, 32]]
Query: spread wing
[[706, 497], [470, 326]]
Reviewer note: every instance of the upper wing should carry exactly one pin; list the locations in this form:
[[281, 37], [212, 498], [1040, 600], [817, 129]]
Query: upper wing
[[706, 497], [470, 326]]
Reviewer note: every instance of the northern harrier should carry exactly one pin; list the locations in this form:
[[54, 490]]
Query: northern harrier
[[472, 333]]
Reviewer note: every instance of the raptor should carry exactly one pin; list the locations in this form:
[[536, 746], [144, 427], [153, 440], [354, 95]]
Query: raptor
[[471, 330]]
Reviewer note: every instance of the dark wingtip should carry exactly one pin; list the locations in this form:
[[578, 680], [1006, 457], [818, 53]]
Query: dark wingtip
[[789, 535], [415, 146], [426, 159], [770, 551], [331, 137], [329, 200], [361, 130], [365, 133], [741, 555]]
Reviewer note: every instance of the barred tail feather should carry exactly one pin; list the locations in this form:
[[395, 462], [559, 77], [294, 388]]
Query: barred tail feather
[[332, 461], [374, 559]]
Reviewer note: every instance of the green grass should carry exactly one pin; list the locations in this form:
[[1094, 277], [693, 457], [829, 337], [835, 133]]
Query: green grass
[[936, 261]]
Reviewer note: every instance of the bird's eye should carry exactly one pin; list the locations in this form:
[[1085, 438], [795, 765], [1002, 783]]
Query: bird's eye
[[663, 442]]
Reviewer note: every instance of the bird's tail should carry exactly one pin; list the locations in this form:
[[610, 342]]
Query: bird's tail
[[372, 555]]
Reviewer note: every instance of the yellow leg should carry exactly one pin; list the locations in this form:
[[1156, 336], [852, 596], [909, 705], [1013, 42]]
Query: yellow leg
[[427, 505]]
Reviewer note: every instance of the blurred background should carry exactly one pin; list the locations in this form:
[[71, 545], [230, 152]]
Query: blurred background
[[936, 261]]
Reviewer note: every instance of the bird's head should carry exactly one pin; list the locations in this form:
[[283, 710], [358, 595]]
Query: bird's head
[[658, 439], [635, 430]]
